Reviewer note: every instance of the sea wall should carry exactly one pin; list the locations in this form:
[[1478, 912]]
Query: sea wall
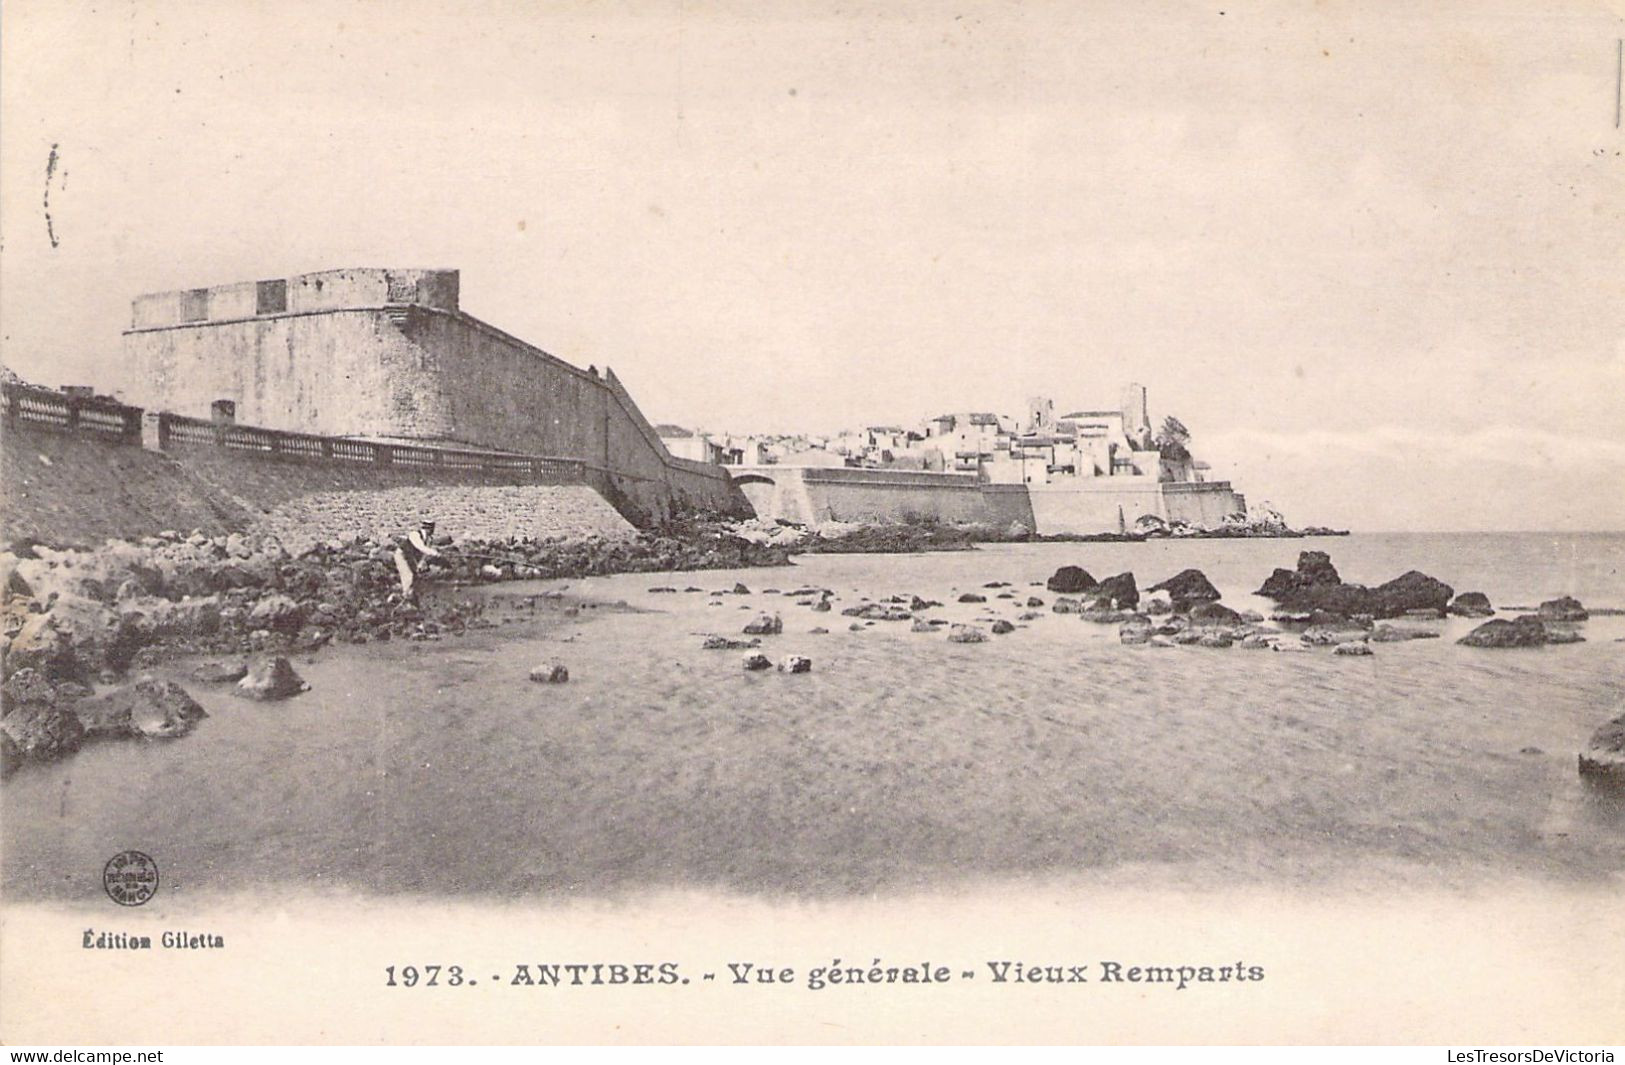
[[812, 494]]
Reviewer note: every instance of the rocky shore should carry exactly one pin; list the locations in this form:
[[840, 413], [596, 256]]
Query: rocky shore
[[79, 629]]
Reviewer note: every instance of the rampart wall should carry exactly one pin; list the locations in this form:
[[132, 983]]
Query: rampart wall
[[75, 473], [387, 354], [811, 494]]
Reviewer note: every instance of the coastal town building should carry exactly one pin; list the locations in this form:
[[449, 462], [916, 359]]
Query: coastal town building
[[1085, 470]]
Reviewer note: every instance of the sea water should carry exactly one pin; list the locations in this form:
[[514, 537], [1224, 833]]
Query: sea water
[[902, 761]]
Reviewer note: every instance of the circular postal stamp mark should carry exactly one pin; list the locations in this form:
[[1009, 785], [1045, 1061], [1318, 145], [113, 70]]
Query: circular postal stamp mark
[[130, 878]]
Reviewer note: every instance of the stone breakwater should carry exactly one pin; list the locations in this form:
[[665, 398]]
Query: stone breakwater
[[81, 626]]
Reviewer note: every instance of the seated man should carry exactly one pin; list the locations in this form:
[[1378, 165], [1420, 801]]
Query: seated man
[[410, 554]]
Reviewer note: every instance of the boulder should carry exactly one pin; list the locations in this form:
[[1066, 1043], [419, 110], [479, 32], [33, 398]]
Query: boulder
[[795, 664], [1526, 631], [764, 625], [270, 677], [43, 646], [1071, 580], [550, 673], [1412, 590], [966, 634], [821, 605], [1563, 608], [741, 589], [756, 660], [1603, 759], [724, 643], [1332, 635], [877, 612], [1256, 641], [1187, 586], [922, 625], [1033, 602], [1104, 616], [917, 604], [40, 730], [1563, 635], [1157, 603], [1386, 633], [1063, 605], [1137, 629], [220, 670], [1002, 627], [972, 597], [1214, 639], [1117, 591], [1213, 615], [1280, 584], [1471, 605], [1356, 648], [277, 612], [159, 709], [1314, 568]]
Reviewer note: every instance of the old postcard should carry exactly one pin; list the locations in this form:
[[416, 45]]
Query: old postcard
[[798, 522]]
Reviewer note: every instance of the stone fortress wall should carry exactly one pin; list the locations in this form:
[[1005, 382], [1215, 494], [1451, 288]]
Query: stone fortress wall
[[388, 355]]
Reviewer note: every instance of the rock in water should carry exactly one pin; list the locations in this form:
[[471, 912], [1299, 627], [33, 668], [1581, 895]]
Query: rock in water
[[795, 664], [157, 708], [1213, 615], [1071, 580], [1356, 648], [1315, 567], [765, 625], [1563, 608], [1386, 633], [1526, 631], [550, 673], [1117, 591], [1471, 605], [1187, 586], [1604, 756], [37, 724], [1136, 629], [271, 677], [756, 660], [1413, 590], [972, 597], [1063, 605], [921, 625], [966, 634], [221, 671], [723, 643], [1002, 627]]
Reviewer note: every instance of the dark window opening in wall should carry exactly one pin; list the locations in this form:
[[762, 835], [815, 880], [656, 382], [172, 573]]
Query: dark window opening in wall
[[195, 305], [270, 297], [402, 289]]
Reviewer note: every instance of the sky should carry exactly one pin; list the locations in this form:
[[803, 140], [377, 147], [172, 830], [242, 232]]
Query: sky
[[1372, 256]]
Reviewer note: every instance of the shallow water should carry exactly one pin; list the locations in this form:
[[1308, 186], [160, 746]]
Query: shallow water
[[901, 761]]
